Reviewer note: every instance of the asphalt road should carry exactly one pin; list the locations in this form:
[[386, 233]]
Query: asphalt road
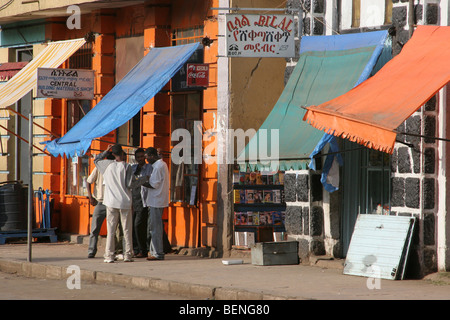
[[14, 287]]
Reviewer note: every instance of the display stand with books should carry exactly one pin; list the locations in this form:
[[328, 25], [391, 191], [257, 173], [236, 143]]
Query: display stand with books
[[259, 207]]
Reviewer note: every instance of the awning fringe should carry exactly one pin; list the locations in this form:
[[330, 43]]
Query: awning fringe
[[351, 137]]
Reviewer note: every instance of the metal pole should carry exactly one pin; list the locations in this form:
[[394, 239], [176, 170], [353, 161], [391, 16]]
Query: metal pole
[[30, 185], [300, 21]]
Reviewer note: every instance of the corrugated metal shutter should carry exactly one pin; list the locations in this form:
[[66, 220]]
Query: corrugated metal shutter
[[379, 246]]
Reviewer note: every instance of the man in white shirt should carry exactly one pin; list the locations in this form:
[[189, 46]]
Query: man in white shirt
[[157, 199], [119, 180], [99, 215]]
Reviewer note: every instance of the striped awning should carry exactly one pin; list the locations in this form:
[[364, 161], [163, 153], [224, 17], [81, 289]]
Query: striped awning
[[25, 80]]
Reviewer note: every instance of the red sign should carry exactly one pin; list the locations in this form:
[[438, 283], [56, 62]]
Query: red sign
[[197, 75]]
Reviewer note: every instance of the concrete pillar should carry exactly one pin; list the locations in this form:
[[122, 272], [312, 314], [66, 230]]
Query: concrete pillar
[[443, 219], [224, 204]]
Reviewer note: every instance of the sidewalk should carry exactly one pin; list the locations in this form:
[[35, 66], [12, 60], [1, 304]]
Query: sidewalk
[[209, 278]]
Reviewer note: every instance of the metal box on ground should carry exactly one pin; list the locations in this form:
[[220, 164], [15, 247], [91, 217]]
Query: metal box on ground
[[275, 253]]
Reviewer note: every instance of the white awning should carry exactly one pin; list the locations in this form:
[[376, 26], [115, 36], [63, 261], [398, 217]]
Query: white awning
[[25, 80]]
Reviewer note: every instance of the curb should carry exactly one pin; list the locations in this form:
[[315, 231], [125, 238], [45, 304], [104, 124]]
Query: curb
[[201, 292]]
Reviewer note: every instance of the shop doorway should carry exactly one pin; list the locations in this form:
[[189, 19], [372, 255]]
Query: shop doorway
[[366, 187]]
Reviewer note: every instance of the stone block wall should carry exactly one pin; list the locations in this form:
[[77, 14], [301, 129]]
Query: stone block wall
[[312, 24], [308, 218], [312, 216], [414, 182], [303, 190]]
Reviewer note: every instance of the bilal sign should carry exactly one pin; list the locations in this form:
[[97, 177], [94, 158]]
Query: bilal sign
[[258, 35], [65, 83]]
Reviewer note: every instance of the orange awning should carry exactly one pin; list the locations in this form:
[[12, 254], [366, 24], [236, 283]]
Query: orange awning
[[370, 113]]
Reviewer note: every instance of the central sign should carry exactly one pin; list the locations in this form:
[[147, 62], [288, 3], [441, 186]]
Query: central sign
[[258, 35], [65, 83]]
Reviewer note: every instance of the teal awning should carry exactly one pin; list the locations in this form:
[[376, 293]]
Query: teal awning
[[328, 67]]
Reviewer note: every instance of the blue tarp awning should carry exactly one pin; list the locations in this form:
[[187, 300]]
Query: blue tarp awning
[[329, 66], [125, 100]]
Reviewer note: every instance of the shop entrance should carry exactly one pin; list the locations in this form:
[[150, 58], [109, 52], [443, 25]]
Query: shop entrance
[[184, 216], [366, 187]]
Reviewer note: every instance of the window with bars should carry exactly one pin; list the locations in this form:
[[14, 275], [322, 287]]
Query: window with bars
[[375, 176], [185, 114], [186, 111], [82, 59], [129, 51], [188, 35], [365, 13], [78, 167]]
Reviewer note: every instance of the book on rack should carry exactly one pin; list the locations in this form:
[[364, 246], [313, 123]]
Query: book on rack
[[280, 177], [276, 198], [265, 218], [259, 179], [258, 195], [277, 218], [242, 178], [255, 218], [236, 218], [240, 218], [268, 196], [242, 195], [264, 178], [250, 218], [249, 196], [275, 178], [246, 178], [236, 175], [237, 196], [252, 178]]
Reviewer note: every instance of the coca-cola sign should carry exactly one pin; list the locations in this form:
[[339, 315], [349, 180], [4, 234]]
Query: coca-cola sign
[[197, 75]]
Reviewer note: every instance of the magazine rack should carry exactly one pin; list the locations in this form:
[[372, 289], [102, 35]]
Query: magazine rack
[[259, 207]]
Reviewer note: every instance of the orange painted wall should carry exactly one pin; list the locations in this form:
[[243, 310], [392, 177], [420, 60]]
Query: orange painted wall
[[71, 214], [185, 223], [208, 187], [190, 226]]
